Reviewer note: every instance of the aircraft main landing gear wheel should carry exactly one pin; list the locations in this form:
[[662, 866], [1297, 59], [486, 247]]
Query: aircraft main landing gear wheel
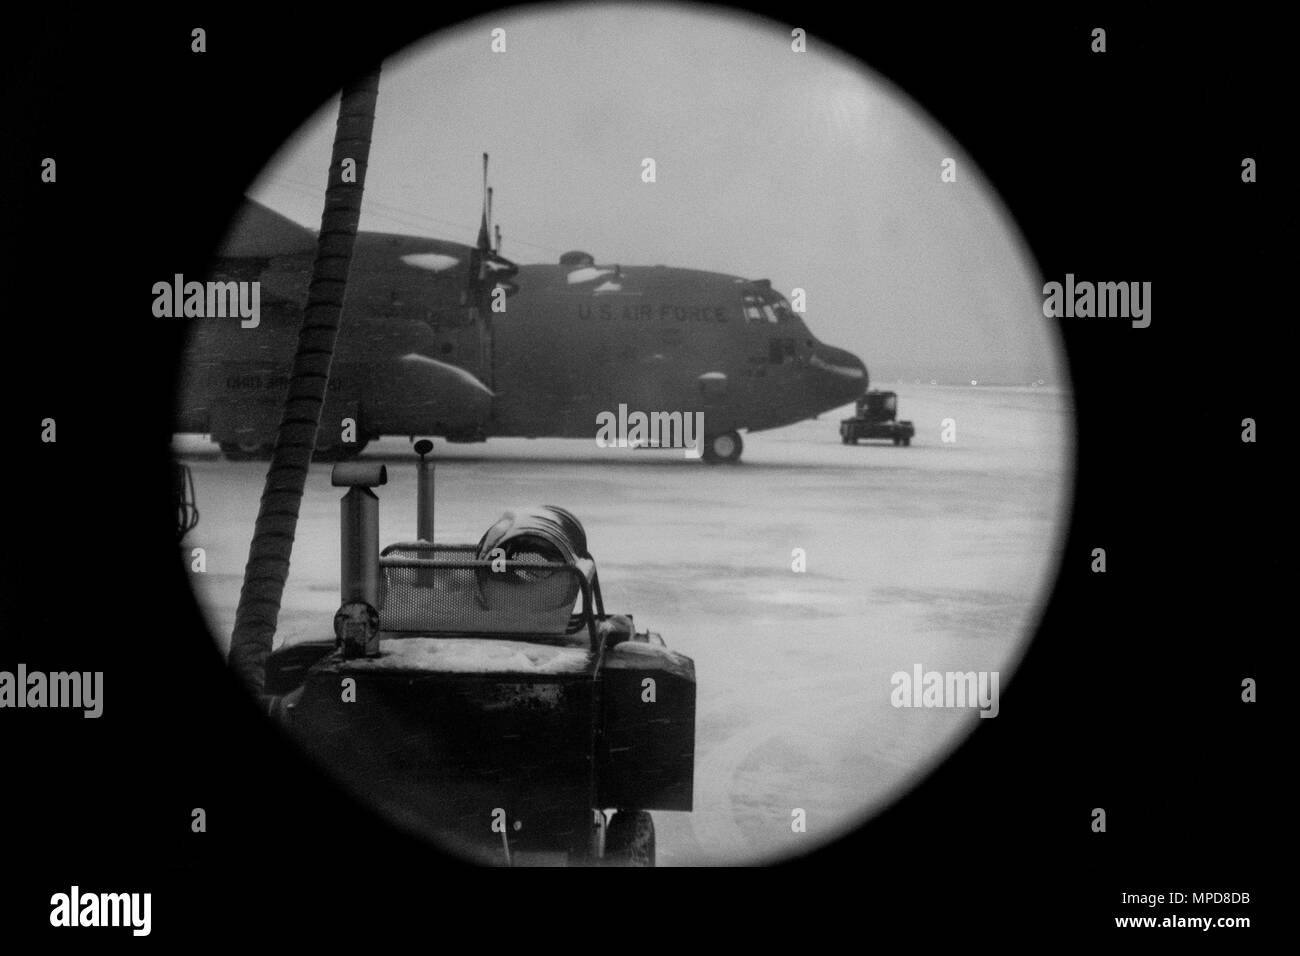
[[630, 839], [723, 448], [246, 451], [261, 451]]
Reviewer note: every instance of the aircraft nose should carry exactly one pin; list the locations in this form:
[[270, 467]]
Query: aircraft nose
[[843, 375]]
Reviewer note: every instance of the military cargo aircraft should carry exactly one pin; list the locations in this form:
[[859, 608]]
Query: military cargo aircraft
[[444, 339]]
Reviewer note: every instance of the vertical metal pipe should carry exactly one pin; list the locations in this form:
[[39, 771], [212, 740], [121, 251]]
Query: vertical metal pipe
[[359, 580], [424, 493]]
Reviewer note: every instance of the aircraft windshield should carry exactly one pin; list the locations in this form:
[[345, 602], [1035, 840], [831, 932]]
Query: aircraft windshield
[[781, 308], [760, 309]]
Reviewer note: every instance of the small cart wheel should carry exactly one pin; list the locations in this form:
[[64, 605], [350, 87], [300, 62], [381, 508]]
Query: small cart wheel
[[630, 839]]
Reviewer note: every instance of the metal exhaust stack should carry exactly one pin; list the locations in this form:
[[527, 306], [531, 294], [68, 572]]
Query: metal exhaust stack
[[424, 493], [356, 623]]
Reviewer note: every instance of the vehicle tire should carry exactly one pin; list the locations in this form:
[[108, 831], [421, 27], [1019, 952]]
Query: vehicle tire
[[340, 452], [630, 839], [723, 448], [247, 451], [907, 441], [898, 441]]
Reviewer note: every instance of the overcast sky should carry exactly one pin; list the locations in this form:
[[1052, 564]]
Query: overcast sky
[[804, 168]]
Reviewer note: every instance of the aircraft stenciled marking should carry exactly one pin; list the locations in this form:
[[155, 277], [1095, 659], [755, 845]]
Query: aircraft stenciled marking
[[647, 313], [257, 381]]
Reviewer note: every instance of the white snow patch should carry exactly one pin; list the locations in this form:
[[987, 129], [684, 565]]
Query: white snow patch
[[433, 261], [461, 375], [587, 274], [474, 655]]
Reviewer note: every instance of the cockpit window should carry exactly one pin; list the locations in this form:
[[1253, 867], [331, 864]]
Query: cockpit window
[[759, 309], [782, 309]]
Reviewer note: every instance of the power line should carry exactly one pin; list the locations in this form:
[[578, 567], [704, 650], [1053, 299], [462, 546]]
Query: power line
[[399, 215]]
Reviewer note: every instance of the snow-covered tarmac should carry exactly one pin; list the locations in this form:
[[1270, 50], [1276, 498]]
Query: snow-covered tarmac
[[939, 554]]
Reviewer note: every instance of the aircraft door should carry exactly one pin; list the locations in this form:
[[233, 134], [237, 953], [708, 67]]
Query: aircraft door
[[780, 349]]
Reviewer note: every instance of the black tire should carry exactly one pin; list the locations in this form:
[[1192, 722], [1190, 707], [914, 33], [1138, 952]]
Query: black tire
[[261, 451], [630, 839], [246, 451], [723, 448], [340, 452], [907, 441], [898, 441]]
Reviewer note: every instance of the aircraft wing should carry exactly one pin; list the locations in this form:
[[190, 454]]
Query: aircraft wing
[[261, 233]]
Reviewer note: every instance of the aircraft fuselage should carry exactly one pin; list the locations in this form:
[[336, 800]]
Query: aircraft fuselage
[[415, 357]]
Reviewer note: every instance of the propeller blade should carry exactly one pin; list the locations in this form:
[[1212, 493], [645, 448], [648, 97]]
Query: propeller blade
[[485, 262], [484, 243]]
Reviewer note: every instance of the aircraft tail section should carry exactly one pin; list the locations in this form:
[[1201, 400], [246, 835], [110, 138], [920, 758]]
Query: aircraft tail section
[[259, 232]]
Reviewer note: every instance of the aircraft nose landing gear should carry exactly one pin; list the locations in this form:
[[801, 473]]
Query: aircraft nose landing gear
[[724, 448]]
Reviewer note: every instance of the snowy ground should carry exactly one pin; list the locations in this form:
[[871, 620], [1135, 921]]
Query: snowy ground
[[938, 555]]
